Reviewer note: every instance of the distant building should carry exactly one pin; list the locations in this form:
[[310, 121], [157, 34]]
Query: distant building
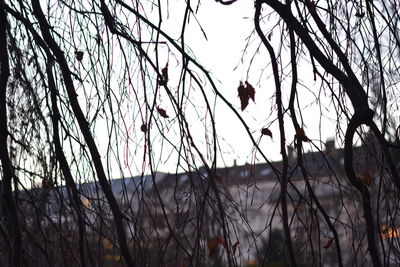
[[170, 217]]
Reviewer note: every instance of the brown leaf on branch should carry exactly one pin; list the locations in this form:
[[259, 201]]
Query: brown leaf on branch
[[301, 135], [329, 243], [250, 91], [245, 92], [360, 14], [143, 128], [79, 55], [98, 39], [162, 112], [164, 76], [234, 247], [266, 131], [244, 97], [47, 184]]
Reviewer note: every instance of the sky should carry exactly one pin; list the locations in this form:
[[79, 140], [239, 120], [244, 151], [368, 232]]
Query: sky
[[224, 53], [231, 52]]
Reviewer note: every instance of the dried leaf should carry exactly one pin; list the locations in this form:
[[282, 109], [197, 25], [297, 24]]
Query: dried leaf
[[164, 76], [360, 14], [234, 247], [245, 93], [367, 178], [244, 97], [301, 135], [329, 243], [98, 39], [162, 112], [47, 184], [250, 91], [266, 131], [143, 128], [79, 55], [164, 72]]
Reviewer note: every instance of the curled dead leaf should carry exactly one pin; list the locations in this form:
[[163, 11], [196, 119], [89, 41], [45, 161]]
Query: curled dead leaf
[[143, 128], [301, 135], [98, 39], [164, 76], [162, 112], [266, 131], [47, 184], [244, 98], [360, 14], [79, 55], [246, 92], [234, 247], [164, 72], [328, 243], [250, 91]]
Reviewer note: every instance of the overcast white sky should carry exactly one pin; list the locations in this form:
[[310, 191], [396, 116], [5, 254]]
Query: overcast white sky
[[227, 28]]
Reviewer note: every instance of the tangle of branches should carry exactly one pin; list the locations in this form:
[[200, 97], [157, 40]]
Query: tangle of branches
[[91, 91]]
